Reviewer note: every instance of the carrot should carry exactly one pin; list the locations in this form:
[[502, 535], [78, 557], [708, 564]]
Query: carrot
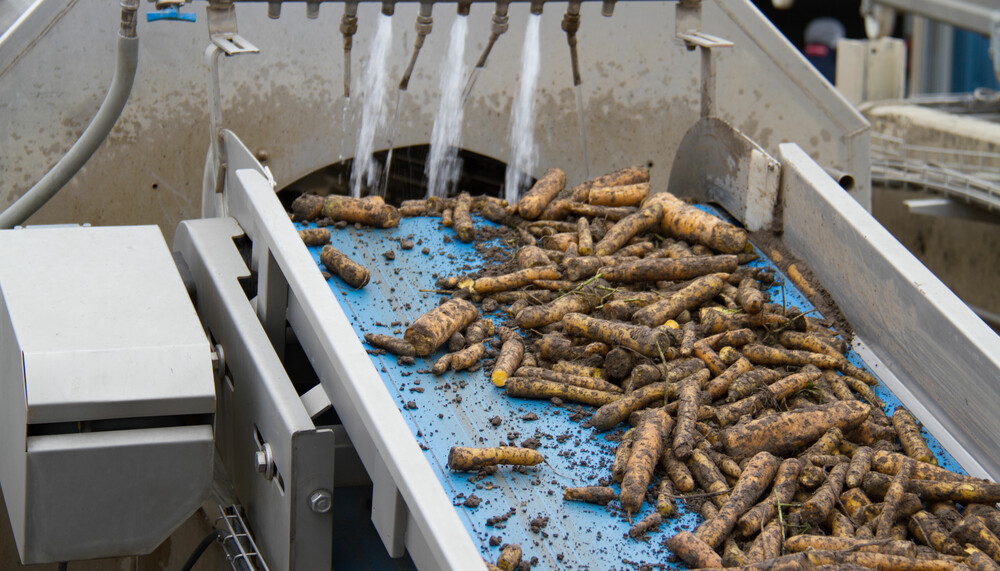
[[391, 344], [775, 357], [510, 557], [656, 269], [513, 280], [755, 479], [691, 297], [509, 359], [686, 222], [362, 211], [432, 329], [307, 207], [544, 190], [625, 229], [649, 440], [582, 301], [785, 484], [642, 340], [622, 195], [599, 495], [567, 378], [785, 432], [665, 505], [708, 476], [693, 551], [645, 525], [353, 273], [927, 529], [314, 236], [890, 505], [749, 296], [541, 389], [462, 458], [913, 442], [584, 239], [818, 542], [861, 464], [767, 545], [818, 506]]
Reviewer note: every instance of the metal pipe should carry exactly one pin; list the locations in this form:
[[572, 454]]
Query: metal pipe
[[95, 133], [348, 27]]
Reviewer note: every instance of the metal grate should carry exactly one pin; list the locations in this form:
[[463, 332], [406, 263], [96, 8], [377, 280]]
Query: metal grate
[[971, 177], [239, 546]]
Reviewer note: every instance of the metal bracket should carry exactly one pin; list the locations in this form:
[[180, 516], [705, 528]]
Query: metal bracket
[[707, 43]]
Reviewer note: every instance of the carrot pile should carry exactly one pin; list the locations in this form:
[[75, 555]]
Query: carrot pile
[[645, 308]]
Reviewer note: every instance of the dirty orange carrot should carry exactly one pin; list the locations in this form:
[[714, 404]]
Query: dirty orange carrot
[[913, 442], [314, 236], [658, 269], [651, 433], [686, 222], [362, 211], [693, 550], [694, 295], [786, 432], [643, 340], [432, 329], [544, 190], [625, 229], [463, 458], [541, 389], [391, 344], [599, 495], [754, 480], [353, 273], [785, 484]]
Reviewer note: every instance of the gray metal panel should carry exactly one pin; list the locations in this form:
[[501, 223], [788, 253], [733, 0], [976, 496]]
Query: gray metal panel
[[12, 425], [945, 357], [361, 400], [97, 342], [109, 494], [260, 397]]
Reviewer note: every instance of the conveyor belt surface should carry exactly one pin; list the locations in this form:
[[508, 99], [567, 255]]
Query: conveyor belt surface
[[456, 410]]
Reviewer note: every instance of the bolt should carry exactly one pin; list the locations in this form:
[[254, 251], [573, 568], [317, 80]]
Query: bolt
[[321, 501]]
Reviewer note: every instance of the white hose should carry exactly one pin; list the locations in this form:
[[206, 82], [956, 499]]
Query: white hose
[[86, 145]]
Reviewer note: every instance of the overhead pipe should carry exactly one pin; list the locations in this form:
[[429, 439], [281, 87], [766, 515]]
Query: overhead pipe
[[96, 132]]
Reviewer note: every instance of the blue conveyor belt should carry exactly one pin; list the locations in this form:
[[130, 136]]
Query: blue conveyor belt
[[456, 410]]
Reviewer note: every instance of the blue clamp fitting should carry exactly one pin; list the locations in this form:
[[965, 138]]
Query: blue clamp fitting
[[171, 13]]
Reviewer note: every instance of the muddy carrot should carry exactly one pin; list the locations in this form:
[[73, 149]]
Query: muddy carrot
[[544, 190], [691, 297], [599, 495], [359, 210], [540, 389], [643, 340], [314, 236], [785, 484], [353, 273], [462, 458], [913, 442], [432, 329], [649, 440], [693, 551], [686, 222], [391, 344], [786, 432], [657, 269], [632, 225], [818, 506], [757, 476]]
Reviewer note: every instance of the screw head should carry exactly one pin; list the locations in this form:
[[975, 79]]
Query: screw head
[[321, 501]]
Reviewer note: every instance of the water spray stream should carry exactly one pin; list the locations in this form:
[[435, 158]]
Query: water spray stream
[[522, 127], [374, 85], [442, 163]]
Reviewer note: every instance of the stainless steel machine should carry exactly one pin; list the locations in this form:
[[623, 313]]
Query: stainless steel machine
[[708, 92]]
